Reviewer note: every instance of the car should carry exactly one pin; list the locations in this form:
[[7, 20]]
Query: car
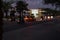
[[28, 19], [48, 18]]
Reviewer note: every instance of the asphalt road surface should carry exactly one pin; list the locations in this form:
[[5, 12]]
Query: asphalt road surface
[[42, 31], [9, 26]]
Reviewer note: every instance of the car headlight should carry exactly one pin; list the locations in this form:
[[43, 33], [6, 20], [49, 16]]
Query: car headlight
[[51, 16], [48, 17]]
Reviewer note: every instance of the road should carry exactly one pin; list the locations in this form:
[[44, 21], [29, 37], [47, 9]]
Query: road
[[9, 26], [41, 31]]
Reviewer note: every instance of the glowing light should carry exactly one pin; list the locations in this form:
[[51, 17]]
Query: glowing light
[[48, 17], [51, 16], [42, 11], [35, 11], [26, 18]]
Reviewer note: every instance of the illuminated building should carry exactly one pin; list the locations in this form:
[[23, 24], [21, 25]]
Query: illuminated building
[[36, 12]]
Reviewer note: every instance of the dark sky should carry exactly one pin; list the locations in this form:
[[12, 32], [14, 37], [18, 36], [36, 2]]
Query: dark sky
[[36, 4]]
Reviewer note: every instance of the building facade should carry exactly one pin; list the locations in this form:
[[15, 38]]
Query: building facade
[[36, 12]]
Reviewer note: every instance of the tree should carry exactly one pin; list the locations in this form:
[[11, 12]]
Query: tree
[[51, 12], [1, 21], [12, 14], [20, 7], [58, 3], [6, 6], [55, 3]]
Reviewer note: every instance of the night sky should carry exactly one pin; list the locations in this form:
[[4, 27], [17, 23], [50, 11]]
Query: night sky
[[36, 4]]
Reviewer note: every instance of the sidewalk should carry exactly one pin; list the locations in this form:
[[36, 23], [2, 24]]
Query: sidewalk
[[35, 32]]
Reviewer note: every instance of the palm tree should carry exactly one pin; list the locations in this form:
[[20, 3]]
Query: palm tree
[[20, 7], [6, 6], [1, 21]]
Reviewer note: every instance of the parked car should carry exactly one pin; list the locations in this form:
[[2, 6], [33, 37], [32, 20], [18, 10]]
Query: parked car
[[48, 18], [29, 19]]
